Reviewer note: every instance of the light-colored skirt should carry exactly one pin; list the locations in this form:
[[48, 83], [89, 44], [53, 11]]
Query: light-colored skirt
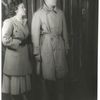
[[16, 85]]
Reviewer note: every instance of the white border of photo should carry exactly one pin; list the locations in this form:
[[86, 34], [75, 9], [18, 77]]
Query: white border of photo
[[98, 88]]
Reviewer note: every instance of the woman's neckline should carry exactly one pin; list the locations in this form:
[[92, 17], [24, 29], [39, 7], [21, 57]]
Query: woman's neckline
[[21, 21]]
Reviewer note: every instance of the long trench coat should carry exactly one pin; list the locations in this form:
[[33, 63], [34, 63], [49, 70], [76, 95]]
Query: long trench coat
[[50, 40], [16, 61]]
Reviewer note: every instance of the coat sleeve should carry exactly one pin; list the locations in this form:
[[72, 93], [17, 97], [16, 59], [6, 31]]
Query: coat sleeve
[[35, 31], [7, 39], [65, 33]]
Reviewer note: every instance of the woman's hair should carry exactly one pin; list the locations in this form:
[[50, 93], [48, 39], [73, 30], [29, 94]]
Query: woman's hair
[[13, 6]]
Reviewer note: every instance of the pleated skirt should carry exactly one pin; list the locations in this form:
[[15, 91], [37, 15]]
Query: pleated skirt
[[16, 85]]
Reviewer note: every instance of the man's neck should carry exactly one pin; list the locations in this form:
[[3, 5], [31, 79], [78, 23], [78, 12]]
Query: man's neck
[[50, 9]]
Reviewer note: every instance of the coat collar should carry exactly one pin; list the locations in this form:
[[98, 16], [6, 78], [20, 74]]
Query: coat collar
[[22, 28], [48, 10]]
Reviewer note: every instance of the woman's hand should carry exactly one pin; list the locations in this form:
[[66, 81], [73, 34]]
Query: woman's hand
[[15, 44]]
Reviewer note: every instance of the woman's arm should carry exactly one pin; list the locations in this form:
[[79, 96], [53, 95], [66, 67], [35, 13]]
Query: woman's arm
[[7, 31]]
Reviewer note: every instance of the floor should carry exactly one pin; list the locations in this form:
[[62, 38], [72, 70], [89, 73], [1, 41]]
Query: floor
[[80, 88], [76, 89]]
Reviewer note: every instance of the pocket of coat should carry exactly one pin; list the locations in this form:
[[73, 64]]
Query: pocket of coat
[[18, 34], [10, 53]]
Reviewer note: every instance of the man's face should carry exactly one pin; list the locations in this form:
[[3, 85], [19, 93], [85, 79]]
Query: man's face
[[51, 3]]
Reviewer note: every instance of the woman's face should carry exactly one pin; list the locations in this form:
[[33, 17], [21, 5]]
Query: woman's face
[[21, 9], [51, 3]]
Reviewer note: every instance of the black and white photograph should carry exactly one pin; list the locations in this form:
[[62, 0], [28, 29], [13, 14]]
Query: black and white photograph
[[49, 49]]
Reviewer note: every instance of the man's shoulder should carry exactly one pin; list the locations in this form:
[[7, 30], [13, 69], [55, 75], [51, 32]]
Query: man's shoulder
[[59, 11], [38, 12]]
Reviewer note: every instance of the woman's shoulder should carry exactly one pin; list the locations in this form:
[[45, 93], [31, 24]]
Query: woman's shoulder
[[7, 25], [8, 21]]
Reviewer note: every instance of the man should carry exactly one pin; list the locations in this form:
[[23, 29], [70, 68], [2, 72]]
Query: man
[[50, 42]]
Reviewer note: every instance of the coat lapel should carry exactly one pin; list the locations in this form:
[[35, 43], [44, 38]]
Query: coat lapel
[[21, 27]]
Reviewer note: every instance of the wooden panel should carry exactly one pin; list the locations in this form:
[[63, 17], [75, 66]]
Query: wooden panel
[[29, 12], [64, 3], [37, 4], [33, 6], [41, 2], [73, 18]]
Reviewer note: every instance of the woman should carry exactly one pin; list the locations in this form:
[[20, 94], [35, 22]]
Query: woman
[[50, 41], [17, 68]]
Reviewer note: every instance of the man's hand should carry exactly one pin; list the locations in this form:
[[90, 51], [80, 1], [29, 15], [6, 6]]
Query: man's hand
[[67, 48], [66, 51], [38, 61], [38, 58], [38, 68]]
